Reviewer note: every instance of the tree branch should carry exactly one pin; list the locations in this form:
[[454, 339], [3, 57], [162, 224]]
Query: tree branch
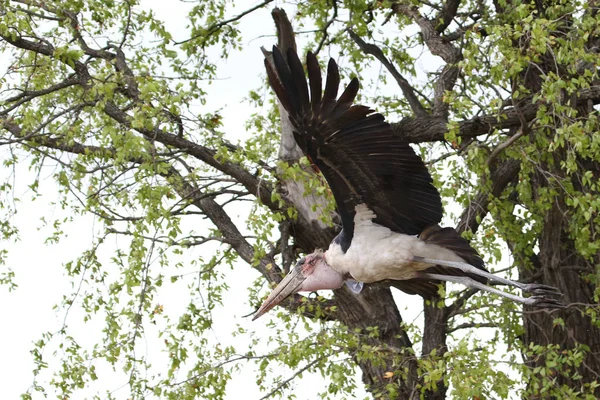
[[291, 378], [499, 179], [407, 89], [208, 206], [217, 215], [468, 325], [446, 15], [453, 308], [28, 95], [215, 27], [71, 147], [434, 128], [327, 25], [439, 47]]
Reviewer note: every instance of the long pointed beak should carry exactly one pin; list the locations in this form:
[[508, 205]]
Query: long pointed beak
[[288, 286]]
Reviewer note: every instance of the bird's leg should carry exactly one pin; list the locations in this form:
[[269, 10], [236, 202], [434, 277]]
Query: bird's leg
[[535, 288], [538, 301], [354, 286]]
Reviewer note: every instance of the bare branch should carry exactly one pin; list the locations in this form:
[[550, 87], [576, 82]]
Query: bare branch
[[215, 27], [507, 143], [291, 378], [447, 14], [434, 41], [468, 325], [406, 88], [287, 253], [189, 241], [327, 25], [28, 95], [499, 179], [439, 47]]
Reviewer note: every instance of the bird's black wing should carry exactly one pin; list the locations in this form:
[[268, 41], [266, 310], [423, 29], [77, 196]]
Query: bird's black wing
[[356, 150]]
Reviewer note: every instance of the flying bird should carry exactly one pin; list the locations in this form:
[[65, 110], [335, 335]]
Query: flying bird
[[385, 197]]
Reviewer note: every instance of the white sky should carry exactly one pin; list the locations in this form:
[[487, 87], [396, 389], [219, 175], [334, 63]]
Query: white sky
[[28, 311]]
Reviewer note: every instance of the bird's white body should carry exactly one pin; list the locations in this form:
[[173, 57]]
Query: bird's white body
[[377, 253]]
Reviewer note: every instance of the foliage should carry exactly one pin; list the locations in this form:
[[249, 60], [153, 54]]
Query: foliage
[[117, 108]]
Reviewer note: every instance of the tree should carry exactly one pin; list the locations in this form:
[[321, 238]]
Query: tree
[[102, 93]]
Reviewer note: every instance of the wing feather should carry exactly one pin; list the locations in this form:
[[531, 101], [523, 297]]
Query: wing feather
[[316, 84], [355, 149], [345, 101], [297, 74], [277, 86], [291, 89], [331, 87]]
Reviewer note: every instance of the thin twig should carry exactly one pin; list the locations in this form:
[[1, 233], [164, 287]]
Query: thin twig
[[291, 378], [215, 27]]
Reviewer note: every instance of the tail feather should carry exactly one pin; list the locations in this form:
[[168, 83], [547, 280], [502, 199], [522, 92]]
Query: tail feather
[[450, 239]]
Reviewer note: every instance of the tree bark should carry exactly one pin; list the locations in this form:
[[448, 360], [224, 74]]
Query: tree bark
[[558, 262], [560, 265], [434, 342]]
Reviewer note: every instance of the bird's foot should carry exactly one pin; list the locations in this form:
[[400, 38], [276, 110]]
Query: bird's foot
[[543, 302], [544, 296], [540, 290]]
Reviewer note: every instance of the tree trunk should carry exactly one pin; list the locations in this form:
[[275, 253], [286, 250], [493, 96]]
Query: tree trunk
[[558, 262], [393, 362], [560, 265], [434, 340]]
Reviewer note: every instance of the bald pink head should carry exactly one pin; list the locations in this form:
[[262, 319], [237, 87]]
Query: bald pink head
[[319, 275], [310, 273]]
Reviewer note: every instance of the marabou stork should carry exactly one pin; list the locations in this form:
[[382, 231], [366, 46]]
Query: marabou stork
[[384, 195]]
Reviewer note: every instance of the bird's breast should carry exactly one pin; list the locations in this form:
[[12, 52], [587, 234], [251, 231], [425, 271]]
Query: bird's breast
[[377, 253]]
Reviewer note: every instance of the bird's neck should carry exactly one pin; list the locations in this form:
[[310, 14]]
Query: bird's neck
[[343, 239]]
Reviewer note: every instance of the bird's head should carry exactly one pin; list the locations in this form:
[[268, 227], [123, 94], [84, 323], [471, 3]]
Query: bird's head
[[310, 273]]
